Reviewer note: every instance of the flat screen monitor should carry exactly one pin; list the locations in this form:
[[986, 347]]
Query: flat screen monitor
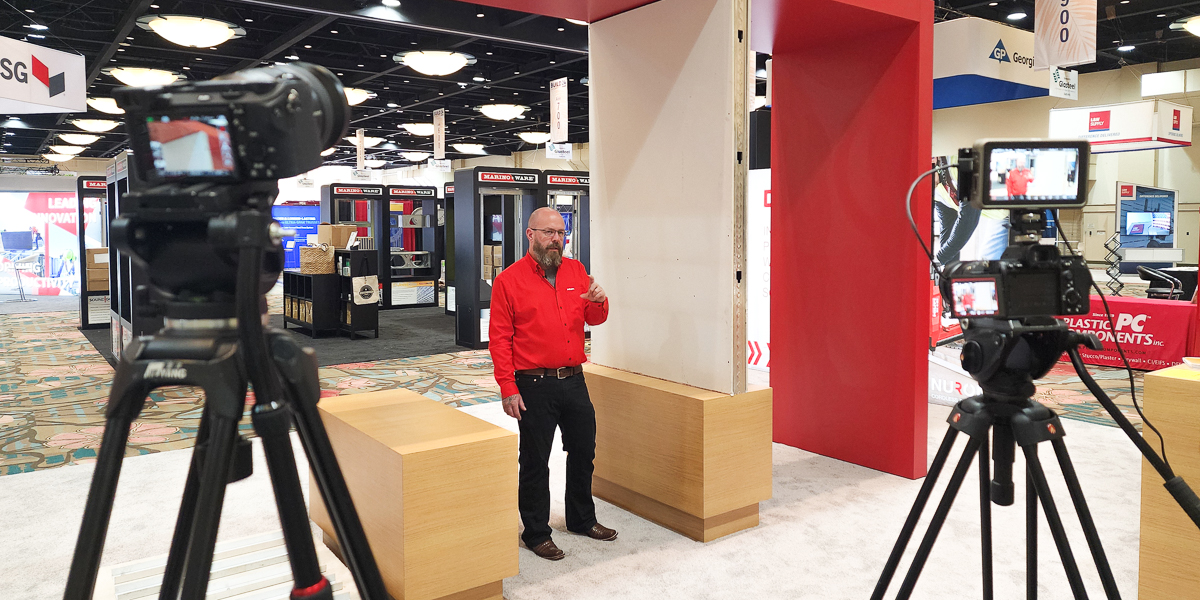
[[1032, 174], [196, 146], [974, 297], [17, 240], [1148, 223]]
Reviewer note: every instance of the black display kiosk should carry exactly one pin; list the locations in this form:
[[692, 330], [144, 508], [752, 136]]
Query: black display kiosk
[[491, 207], [412, 247], [126, 320], [91, 193], [568, 193], [360, 205], [448, 245]]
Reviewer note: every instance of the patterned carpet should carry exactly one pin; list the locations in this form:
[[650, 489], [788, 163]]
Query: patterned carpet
[[54, 389]]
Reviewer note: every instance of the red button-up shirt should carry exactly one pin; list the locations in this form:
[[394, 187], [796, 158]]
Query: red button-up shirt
[[538, 326]]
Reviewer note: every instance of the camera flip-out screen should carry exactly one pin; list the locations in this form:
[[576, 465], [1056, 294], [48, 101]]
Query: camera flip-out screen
[[1029, 174], [975, 297], [195, 146]]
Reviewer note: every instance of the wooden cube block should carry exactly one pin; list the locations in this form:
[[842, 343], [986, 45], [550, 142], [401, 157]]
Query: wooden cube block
[[435, 488], [694, 461]]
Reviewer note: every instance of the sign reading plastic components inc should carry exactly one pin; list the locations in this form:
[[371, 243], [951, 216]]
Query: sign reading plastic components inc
[[35, 80]]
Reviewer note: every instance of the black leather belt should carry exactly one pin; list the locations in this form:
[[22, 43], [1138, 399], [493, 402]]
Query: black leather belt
[[559, 373]]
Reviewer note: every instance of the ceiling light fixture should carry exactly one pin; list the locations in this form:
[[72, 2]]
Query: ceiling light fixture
[[368, 142], [434, 62], [421, 129], [356, 96], [1017, 16], [140, 77], [72, 150], [415, 156], [534, 137], [78, 139], [58, 157], [577, 22], [1125, 48], [470, 148], [196, 32], [1192, 25], [502, 112], [95, 125], [37, 27], [391, 3], [105, 105]]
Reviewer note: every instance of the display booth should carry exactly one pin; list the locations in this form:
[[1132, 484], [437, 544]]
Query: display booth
[[92, 223], [491, 207], [568, 193], [413, 248], [447, 220], [127, 318]]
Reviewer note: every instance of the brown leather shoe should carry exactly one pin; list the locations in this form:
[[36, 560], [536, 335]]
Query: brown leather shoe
[[548, 551], [600, 532]]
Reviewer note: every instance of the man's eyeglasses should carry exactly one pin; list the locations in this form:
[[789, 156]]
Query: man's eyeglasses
[[550, 233]]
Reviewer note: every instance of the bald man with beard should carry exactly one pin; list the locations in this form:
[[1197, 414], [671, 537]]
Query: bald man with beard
[[539, 306]]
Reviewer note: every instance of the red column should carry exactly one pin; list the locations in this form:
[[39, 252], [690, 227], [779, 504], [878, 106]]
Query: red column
[[851, 128]]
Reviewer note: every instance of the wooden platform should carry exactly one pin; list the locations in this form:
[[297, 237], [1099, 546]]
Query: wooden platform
[[1169, 565], [694, 461], [436, 490]]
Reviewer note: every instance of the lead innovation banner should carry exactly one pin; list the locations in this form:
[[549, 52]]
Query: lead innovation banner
[[1064, 33]]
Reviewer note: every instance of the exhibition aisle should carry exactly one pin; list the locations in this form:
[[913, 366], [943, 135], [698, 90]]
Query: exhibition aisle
[[825, 533]]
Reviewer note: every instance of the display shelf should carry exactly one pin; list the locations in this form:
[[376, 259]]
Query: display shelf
[[310, 301], [410, 279], [355, 318]]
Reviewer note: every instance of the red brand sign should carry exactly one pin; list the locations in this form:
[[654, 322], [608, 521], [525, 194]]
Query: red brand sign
[[1098, 120], [1126, 191], [95, 185], [357, 190], [564, 180], [410, 192], [508, 177], [1175, 121], [1153, 333], [449, 189]]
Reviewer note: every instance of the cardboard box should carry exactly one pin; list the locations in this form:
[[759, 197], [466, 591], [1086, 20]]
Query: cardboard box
[[97, 275], [487, 258], [335, 235], [97, 256], [498, 255]]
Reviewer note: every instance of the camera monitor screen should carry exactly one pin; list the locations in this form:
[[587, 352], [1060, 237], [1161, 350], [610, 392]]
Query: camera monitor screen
[[1148, 223], [1034, 175], [974, 297], [196, 146]]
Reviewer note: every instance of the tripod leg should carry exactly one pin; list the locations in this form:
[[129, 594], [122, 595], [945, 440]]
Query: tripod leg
[[1055, 521], [914, 515], [272, 423], [1031, 535], [214, 475], [173, 573], [1085, 519], [985, 519], [939, 517]]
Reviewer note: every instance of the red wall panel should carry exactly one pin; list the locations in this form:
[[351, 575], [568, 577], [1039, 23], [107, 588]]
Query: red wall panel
[[851, 128]]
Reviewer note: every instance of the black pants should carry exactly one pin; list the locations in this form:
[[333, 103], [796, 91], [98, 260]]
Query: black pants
[[551, 403]]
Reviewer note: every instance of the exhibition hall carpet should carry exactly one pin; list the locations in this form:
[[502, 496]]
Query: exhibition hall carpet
[[54, 388]]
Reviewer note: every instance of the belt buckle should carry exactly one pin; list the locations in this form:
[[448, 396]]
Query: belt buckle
[[558, 373]]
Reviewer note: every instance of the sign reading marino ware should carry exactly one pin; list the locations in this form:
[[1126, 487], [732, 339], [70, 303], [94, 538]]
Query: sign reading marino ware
[[36, 80], [1142, 125], [976, 61], [1064, 32]]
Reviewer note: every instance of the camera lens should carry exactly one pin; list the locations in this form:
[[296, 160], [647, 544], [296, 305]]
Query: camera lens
[[332, 112]]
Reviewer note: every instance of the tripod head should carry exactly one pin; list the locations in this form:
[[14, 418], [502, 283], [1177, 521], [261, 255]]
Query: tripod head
[[1006, 356]]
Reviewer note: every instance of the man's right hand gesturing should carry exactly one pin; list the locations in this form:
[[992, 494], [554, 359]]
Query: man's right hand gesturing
[[513, 405]]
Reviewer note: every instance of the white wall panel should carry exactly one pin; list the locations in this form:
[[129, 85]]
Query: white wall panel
[[663, 160]]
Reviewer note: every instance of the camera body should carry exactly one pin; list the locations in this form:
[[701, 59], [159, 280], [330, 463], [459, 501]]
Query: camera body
[[254, 125], [1030, 279]]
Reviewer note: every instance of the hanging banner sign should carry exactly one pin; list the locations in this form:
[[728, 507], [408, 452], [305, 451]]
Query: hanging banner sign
[[560, 151], [1064, 84], [1064, 33], [1142, 125], [439, 134], [37, 80], [558, 111], [976, 61]]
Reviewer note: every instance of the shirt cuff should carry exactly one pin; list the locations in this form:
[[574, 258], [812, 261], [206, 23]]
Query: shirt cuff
[[508, 388]]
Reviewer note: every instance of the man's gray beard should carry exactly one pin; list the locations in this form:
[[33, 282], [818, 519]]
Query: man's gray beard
[[542, 256]]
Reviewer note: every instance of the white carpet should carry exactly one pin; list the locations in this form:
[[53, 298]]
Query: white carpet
[[825, 534]]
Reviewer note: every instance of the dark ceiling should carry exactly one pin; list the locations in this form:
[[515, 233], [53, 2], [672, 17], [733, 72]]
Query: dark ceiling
[[1143, 24], [518, 54]]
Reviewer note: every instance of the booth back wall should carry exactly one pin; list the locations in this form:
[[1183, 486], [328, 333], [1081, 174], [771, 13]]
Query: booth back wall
[[851, 127]]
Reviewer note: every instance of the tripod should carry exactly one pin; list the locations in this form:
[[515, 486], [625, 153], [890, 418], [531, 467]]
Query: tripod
[[1006, 356], [217, 342]]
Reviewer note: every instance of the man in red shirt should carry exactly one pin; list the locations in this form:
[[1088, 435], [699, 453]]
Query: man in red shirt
[[539, 306], [1018, 180]]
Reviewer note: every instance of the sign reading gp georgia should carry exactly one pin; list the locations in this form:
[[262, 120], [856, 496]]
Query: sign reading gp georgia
[[34, 79]]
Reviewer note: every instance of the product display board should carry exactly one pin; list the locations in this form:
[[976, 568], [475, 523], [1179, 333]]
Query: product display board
[[1146, 218], [568, 193], [447, 217], [303, 219], [491, 208], [124, 276], [413, 247], [92, 211]]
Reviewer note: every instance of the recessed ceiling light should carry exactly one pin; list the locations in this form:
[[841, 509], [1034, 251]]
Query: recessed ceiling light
[[195, 32], [393, 105], [37, 26], [29, 10], [249, 20], [187, 68], [1017, 16], [361, 65], [391, 3], [1160, 15], [289, 57], [1124, 1], [478, 78], [308, 46], [561, 29], [489, 53], [332, 31], [153, 6], [1125, 48], [480, 15]]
